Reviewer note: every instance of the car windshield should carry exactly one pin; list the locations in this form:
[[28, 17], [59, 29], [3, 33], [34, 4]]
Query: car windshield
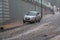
[[31, 14]]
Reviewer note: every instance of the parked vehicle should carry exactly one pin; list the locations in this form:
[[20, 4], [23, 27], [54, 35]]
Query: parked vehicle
[[32, 16]]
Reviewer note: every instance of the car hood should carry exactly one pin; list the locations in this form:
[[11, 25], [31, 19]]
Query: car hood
[[29, 16]]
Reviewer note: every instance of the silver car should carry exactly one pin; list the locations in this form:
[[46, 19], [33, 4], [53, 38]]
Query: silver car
[[32, 16]]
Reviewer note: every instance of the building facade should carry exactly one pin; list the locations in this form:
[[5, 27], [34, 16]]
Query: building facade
[[4, 11], [14, 10]]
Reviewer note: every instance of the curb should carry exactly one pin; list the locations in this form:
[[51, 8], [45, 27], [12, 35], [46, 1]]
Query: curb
[[11, 25]]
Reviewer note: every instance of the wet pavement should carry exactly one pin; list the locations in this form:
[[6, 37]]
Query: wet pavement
[[50, 28]]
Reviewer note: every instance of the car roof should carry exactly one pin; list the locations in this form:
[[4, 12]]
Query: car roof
[[34, 11]]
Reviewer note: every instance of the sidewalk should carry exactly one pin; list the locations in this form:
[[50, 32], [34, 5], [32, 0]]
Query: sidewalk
[[10, 25], [18, 23]]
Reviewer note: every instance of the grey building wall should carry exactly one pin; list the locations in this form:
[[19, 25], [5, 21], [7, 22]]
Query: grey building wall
[[18, 8]]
